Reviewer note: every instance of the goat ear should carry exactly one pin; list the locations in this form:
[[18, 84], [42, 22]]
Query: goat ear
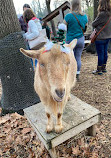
[[31, 53], [73, 44]]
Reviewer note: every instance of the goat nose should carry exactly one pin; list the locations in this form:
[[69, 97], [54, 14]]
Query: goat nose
[[60, 92]]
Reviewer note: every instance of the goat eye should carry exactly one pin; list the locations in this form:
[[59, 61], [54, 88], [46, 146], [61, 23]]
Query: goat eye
[[42, 65]]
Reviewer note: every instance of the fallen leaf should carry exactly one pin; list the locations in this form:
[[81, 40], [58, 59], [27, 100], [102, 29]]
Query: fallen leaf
[[4, 119], [19, 140], [109, 134], [81, 142], [0, 152], [75, 150], [7, 130], [17, 116], [2, 135], [32, 155], [26, 130]]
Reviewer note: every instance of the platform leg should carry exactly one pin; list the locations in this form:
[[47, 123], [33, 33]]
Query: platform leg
[[92, 131], [53, 153]]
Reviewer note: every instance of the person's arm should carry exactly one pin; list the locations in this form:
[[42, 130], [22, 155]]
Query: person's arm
[[65, 22], [86, 23], [34, 31], [85, 27], [25, 34], [98, 21]]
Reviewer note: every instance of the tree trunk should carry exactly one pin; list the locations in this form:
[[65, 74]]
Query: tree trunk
[[16, 71], [52, 22], [8, 18], [87, 3], [96, 3]]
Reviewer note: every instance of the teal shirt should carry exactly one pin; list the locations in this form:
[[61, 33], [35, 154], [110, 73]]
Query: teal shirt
[[73, 28]]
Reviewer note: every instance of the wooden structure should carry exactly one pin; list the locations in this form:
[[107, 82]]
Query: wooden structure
[[58, 11], [77, 117]]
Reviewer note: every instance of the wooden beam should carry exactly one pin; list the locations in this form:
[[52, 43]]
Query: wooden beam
[[55, 13]]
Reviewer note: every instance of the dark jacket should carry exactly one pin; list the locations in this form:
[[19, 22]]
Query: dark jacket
[[99, 22], [23, 24], [47, 31]]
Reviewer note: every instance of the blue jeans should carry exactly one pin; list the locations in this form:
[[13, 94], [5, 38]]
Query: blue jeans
[[102, 47], [28, 48], [33, 63], [78, 52]]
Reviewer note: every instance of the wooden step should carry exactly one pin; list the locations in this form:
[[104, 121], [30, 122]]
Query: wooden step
[[77, 117]]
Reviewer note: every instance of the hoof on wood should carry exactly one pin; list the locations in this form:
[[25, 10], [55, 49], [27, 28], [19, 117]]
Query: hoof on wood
[[49, 128], [58, 128]]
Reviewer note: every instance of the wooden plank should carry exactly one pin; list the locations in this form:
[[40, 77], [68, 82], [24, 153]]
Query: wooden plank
[[92, 131], [81, 108], [74, 131]]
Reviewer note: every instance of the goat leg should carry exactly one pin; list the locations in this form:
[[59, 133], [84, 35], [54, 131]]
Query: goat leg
[[58, 126], [49, 126]]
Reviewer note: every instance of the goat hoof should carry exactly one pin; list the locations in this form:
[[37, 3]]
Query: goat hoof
[[58, 128], [49, 128]]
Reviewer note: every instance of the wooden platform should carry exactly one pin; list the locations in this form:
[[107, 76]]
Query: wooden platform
[[77, 117]]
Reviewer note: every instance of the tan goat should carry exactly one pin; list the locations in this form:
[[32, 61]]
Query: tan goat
[[55, 75]]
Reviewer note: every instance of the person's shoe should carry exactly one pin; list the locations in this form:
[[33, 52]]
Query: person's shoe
[[104, 68], [98, 71], [77, 78]]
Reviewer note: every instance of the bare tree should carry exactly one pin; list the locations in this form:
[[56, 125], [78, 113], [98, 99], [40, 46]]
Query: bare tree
[[89, 3], [38, 10], [96, 3], [48, 2], [57, 3]]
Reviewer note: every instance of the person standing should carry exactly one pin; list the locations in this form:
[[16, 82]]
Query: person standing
[[76, 22], [21, 20], [34, 27], [102, 40], [45, 26]]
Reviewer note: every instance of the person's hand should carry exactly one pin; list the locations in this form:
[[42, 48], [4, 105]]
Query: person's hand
[[24, 36]]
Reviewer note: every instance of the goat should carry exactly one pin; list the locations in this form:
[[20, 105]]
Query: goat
[[55, 75]]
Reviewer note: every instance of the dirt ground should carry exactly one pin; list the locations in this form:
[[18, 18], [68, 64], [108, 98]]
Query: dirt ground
[[17, 138]]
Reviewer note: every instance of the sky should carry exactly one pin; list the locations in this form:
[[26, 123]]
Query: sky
[[19, 4]]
